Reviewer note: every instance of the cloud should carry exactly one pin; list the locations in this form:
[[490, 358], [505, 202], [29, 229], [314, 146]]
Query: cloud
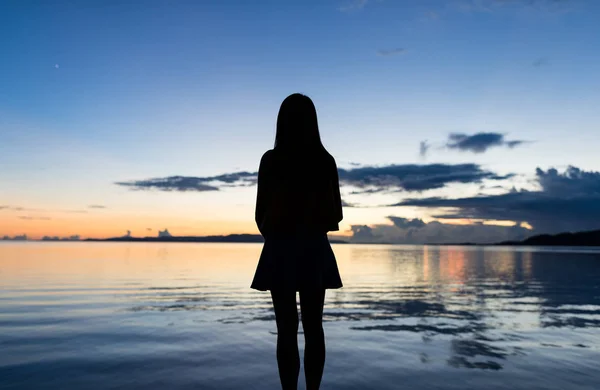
[[346, 204], [17, 208], [494, 5], [366, 179], [416, 231], [369, 191], [514, 143], [414, 177], [538, 62], [433, 15], [35, 218], [424, 148], [173, 183], [404, 223], [391, 52], [354, 5], [362, 233], [479, 142], [567, 201], [192, 183], [96, 206]]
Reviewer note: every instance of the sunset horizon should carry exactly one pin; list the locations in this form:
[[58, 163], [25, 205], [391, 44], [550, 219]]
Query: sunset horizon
[[300, 194], [160, 121]]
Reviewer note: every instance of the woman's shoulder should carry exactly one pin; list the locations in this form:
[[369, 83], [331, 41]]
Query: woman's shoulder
[[267, 156], [329, 160]]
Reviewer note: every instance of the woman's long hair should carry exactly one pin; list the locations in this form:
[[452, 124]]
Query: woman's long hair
[[301, 175], [298, 128]]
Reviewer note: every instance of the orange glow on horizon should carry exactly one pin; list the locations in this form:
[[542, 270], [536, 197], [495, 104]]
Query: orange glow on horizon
[[108, 226]]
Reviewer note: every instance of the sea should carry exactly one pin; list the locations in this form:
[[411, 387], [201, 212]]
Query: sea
[[99, 315]]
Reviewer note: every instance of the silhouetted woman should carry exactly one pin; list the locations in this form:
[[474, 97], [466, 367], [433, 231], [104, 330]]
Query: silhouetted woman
[[298, 202]]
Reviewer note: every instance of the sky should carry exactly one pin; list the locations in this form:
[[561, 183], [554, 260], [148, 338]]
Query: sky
[[466, 120]]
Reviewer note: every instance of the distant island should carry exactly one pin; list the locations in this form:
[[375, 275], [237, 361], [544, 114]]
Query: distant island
[[588, 238], [233, 238]]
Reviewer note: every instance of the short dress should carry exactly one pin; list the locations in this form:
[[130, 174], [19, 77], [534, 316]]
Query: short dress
[[296, 256], [297, 262]]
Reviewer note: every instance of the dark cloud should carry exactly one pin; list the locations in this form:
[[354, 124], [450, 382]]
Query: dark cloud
[[369, 191], [479, 142], [192, 183], [512, 144], [567, 201], [368, 179], [172, 183], [416, 231], [346, 204], [391, 52], [414, 177], [404, 223], [96, 206], [572, 182], [362, 233]]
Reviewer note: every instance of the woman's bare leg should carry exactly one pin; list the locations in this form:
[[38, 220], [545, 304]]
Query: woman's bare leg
[[311, 307], [288, 357]]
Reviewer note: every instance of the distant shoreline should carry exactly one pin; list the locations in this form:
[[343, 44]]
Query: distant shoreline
[[231, 238], [588, 238]]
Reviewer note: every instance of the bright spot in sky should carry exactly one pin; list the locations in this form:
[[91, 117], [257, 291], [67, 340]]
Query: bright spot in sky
[[56, 66]]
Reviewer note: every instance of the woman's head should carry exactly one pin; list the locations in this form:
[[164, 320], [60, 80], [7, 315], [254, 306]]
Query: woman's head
[[297, 126]]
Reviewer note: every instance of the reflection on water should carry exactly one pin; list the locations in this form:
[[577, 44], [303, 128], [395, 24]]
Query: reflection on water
[[182, 316]]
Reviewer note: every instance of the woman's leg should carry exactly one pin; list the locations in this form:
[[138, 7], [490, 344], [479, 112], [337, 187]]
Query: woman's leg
[[311, 307], [288, 358]]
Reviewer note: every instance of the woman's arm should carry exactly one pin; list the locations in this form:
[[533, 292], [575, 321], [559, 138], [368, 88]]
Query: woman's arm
[[262, 193], [337, 198]]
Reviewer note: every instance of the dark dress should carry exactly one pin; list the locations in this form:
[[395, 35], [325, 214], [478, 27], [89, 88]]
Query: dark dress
[[296, 205]]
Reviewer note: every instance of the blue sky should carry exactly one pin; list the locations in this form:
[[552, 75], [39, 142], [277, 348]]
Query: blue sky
[[94, 93]]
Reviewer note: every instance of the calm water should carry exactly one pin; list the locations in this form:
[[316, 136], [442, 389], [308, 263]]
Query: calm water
[[181, 316]]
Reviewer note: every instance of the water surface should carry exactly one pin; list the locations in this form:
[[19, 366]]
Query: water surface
[[182, 316]]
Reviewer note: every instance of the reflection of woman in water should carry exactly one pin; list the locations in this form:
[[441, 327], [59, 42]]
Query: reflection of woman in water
[[298, 202]]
